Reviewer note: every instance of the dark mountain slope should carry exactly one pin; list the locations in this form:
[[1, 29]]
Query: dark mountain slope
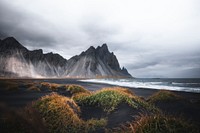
[[18, 61]]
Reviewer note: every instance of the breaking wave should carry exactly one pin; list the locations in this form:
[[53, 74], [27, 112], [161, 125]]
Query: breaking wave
[[166, 84]]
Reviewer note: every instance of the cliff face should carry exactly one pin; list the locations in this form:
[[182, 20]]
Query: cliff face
[[93, 63], [18, 61]]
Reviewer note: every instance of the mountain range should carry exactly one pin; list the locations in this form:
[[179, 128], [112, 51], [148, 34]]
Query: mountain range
[[17, 61]]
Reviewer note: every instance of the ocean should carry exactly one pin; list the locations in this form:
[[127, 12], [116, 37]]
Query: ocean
[[176, 84]]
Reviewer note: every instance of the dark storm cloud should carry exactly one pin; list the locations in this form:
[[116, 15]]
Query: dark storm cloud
[[156, 39], [25, 27], [181, 66]]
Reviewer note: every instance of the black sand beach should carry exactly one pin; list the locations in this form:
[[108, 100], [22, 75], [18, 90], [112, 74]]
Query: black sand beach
[[20, 97]]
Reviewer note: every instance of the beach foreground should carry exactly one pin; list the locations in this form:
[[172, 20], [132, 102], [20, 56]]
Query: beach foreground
[[69, 105]]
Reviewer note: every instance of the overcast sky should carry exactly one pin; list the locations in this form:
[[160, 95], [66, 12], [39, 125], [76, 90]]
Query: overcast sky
[[151, 38]]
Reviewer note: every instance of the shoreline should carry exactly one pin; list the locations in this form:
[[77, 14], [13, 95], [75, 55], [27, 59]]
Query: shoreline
[[22, 98], [16, 95]]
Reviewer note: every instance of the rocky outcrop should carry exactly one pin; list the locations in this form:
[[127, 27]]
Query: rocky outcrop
[[18, 61], [96, 62]]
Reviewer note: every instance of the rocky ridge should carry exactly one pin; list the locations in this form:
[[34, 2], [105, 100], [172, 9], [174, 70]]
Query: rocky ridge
[[17, 61]]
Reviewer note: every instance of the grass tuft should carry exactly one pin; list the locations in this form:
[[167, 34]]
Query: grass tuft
[[158, 123], [61, 115], [74, 89], [163, 95], [94, 124], [109, 98], [33, 88], [50, 86]]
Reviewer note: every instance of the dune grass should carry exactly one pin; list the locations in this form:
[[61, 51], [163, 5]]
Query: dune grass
[[56, 113], [72, 88], [76, 89], [50, 86], [158, 123], [33, 88], [163, 95], [62, 115], [16, 85], [109, 98]]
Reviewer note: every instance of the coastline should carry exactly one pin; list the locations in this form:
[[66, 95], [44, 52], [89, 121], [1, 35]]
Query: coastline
[[21, 96], [18, 99]]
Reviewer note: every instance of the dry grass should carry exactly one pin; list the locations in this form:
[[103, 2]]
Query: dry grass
[[33, 88], [158, 123], [163, 95], [61, 115], [121, 90], [80, 95], [50, 86], [15, 85], [109, 98], [74, 89]]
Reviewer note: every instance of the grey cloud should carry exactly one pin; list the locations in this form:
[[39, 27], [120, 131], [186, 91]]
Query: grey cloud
[[145, 51], [191, 73], [98, 31], [143, 65], [25, 27], [170, 66]]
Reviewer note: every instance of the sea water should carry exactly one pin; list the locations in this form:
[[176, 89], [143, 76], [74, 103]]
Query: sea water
[[187, 85]]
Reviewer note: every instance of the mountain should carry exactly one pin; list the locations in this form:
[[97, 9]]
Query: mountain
[[95, 63], [17, 61]]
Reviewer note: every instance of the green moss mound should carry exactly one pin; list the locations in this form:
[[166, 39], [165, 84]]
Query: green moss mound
[[109, 98], [61, 115], [163, 95], [159, 123], [73, 89]]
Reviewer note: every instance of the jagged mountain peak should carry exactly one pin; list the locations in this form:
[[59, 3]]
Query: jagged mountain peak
[[100, 50], [92, 63], [10, 39], [125, 71], [103, 48], [96, 62], [90, 50], [10, 43]]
